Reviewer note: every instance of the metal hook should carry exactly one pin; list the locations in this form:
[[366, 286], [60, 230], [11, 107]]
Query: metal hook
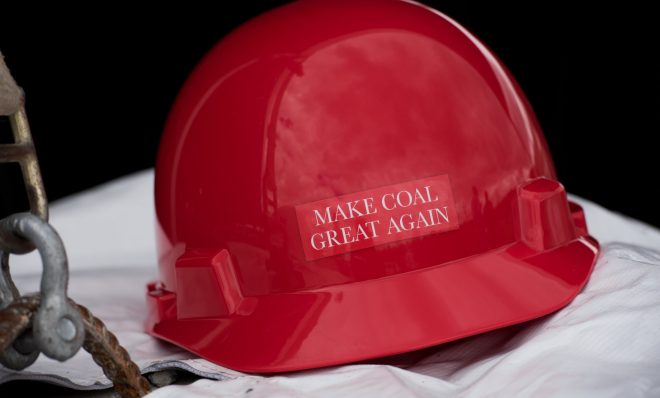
[[57, 326]]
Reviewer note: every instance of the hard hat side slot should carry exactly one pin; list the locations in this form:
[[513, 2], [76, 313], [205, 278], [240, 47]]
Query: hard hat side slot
[[207, 285], [545, 218]]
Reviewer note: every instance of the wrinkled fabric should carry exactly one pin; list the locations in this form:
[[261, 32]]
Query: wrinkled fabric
[[606, 343]]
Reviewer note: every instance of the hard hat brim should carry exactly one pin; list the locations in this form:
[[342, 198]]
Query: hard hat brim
[[376, 318]]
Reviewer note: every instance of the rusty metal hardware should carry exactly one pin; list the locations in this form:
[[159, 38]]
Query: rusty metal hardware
[[48, 322], [99, 342], [23, 152], [57, 327]]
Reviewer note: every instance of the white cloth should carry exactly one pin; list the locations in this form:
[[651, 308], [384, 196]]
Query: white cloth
[[605, 343]]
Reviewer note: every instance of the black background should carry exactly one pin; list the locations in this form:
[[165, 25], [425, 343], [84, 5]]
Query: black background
[[100, 82]]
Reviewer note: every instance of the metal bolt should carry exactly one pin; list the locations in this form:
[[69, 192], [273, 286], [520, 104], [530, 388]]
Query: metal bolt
[[66, 329]]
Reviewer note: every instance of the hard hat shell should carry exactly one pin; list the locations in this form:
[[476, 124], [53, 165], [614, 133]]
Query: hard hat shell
[[345, 180]]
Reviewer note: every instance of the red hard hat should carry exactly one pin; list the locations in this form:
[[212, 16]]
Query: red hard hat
[[344, 180]]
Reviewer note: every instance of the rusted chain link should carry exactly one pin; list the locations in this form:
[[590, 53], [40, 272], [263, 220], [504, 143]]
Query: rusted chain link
[[15, 319], [112, 357], [99, 342]]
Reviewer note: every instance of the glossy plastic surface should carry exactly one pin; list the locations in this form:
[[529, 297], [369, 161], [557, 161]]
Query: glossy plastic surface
[[319, 100]]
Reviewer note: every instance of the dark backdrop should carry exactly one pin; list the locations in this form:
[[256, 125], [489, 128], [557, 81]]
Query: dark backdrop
[[100, 83]]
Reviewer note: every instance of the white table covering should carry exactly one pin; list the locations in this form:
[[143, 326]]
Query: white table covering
[[606, 343]]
